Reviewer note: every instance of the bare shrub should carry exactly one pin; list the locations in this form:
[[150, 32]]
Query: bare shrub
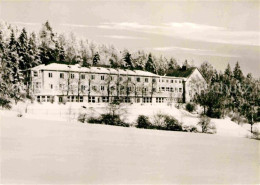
[[206, 126]]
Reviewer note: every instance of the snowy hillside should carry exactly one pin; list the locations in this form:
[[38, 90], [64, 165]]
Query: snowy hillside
[[70, 112]]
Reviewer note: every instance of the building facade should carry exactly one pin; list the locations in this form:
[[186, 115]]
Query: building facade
[[72, 83]]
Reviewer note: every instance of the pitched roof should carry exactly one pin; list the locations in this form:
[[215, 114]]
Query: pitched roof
[[102, 70], [181, 72]]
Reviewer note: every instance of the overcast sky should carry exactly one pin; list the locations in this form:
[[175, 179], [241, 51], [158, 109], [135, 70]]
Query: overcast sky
[[217, 32]]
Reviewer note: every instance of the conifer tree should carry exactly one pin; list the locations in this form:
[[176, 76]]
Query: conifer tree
[[238, 73], [149, 66], [128, 60], [96, 59]]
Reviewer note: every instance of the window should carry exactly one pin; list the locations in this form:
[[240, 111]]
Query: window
[[72, 76], [68, 99], [82, 76], [154, 80], [61, 86], [102, 77], [105, 99], [60, 99], [145, 89], [43, 99], [35, 73], [94, 88], [51, 86], [61, 75], [83, 87], [171, 81], [146, 79], [138, 79], [175, 81], [162, 80], [129, 89], [147, 100], [163, 88], [171, 89], [180, 89], [102, 88], [111, 77], [38, 99], [91, 99], [48, 98], [159, 100], [81, 99], [179, 81], [154, 89], [38, 85], [176, 89], [72, 98], [92, 77], [167, 88], [120, 78], [167, 81], [127, 99], [50, 75]]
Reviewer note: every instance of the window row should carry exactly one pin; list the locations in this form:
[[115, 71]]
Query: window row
[[102, 77], [171, 81], [170, 89], [45, 98]]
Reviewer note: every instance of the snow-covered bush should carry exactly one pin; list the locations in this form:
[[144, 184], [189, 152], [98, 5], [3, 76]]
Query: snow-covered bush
[[143, 122], [108, 119], [5, 103], [256, 133], [190, 128], [160, 122], [238, 118], [172, 123], [190, 107], [206, 125], [82, 117]]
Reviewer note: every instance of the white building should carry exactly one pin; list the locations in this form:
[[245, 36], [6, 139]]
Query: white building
[[72, 83]]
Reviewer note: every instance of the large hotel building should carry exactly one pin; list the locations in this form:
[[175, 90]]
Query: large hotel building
[[72, 83]]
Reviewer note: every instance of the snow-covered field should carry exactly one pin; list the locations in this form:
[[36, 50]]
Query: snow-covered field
[[58, 152]]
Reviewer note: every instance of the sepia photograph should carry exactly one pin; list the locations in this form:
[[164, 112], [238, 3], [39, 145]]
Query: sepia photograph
[[130, 92]]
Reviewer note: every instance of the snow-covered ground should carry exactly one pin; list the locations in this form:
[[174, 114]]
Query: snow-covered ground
[[58, 152], [70, 112]]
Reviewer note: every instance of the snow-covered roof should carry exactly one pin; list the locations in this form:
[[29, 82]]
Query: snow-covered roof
[[101, 70], [172, 77]]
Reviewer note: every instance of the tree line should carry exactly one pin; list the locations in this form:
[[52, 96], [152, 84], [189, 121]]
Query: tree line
[[230, 92], [21, 50]]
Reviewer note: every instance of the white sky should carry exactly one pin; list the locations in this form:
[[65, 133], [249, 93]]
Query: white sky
[[217, 32]]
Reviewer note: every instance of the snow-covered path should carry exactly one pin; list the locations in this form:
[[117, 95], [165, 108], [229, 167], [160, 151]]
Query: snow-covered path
[[53, 152]]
